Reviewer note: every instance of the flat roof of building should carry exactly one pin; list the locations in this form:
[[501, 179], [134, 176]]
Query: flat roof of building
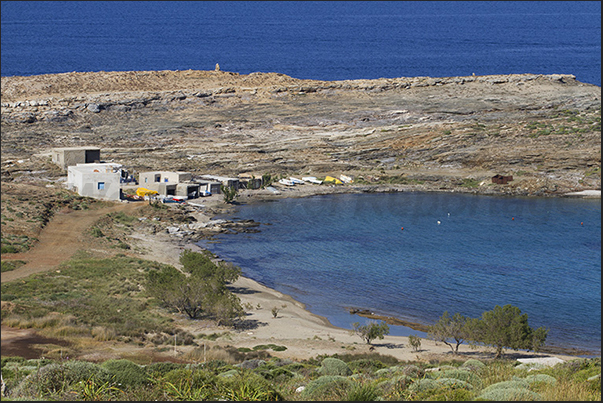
[[75, 148]]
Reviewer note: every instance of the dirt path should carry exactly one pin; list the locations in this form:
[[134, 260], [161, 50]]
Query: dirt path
[[59, 240]]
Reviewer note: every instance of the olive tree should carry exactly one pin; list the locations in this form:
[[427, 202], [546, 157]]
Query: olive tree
[[449, 328], [505, 327], [200, 289], [371, 331]]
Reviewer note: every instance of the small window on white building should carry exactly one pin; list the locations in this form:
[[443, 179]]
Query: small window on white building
[[101, 185]]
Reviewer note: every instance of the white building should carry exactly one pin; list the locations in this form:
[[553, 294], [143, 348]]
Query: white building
[[100, 181], [146, 178]]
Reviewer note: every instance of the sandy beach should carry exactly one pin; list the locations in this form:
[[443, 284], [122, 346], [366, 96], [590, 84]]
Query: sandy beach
[[304, 334]]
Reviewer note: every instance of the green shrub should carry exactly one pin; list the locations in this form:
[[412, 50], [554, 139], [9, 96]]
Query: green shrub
[[8, 249], [278, 374], [473, 365], [56, 378], [515, 384], [162, 368], [509, 394], [458, 395], [127, 373], [11, 265], [413, 371], [176, 376], [366, 365], [247, 386], [395, 384], [229, 374], [540, 378], [300, 368], [454, 383], [192, 378], [334, 366], [366, 392], [460, 374], [251, 364], [6, 360], [423, 385], [328, 387], [215, 364]]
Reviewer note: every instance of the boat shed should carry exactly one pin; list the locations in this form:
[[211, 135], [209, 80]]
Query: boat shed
[[224, 180]]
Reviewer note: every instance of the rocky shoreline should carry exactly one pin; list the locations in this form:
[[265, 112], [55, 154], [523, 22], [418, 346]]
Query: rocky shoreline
[[206, 227], [187, 234]]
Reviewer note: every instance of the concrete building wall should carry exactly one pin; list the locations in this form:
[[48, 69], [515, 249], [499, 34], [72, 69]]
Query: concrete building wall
[[224, 180], [210, 186], [65, 157], [100, 181], [163, 188], [190, 190], [144, 178]]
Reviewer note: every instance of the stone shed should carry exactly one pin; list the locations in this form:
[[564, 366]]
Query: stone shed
[[71, 156]]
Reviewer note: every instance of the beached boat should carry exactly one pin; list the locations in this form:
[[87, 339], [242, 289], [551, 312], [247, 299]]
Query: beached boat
[[286, 182], [333, 180], [296, 181], [346, 179], [312, 179], [174, 199]]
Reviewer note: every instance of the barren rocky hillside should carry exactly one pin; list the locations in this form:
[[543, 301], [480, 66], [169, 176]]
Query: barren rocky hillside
[[438, 132]]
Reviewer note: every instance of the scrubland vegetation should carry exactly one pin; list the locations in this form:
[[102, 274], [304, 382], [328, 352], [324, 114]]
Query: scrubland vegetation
[[350, 377], [90, 301]]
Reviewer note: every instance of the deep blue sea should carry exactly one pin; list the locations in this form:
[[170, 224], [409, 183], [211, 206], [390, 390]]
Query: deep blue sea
[[305, 39], [415, 255], [348, 250]]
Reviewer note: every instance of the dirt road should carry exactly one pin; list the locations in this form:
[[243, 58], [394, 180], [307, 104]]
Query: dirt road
[[59, 240]]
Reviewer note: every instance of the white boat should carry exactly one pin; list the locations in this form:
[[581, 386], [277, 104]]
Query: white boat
[[312, 179], [273, 190], [346, 179], [296, 181], [286, 182]]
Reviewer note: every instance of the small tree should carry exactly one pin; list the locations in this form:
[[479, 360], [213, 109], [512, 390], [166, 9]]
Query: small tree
[[266, 180], [230, 193], [447, 328], [505, 327], [371, 330], [199, 289], [415, 342]]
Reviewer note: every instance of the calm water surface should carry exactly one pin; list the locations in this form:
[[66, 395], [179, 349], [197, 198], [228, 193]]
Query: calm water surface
[[456, 252], [322, 40]]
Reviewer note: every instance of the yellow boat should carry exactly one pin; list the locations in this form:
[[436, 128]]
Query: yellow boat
[[334, 180]]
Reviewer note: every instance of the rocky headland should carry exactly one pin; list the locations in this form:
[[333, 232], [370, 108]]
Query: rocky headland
[[448, 133]]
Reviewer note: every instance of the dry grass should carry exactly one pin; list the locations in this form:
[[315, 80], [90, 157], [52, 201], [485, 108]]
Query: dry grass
[[565, 391], [102, 333], [199, 354]]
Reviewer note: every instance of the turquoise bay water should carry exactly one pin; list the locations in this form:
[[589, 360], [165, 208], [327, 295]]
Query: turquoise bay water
[[456, 252]]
